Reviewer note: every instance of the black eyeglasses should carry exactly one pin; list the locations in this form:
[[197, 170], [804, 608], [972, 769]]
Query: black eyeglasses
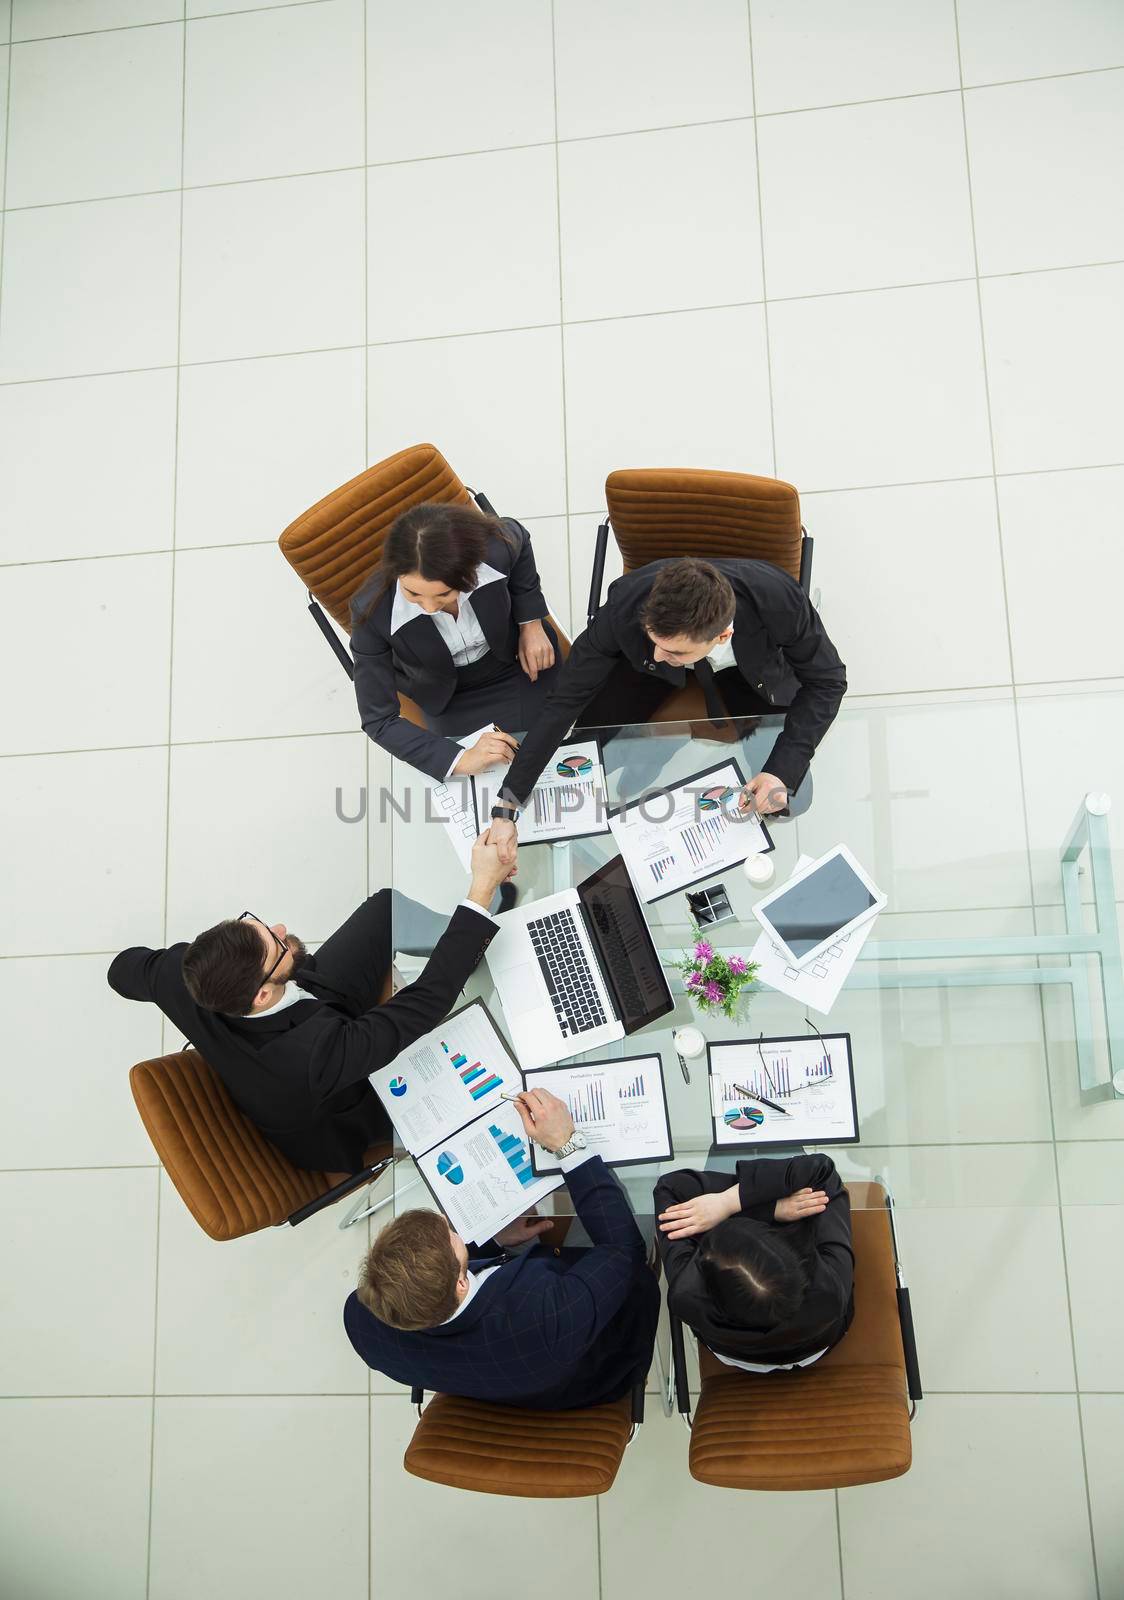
[[272, 935]]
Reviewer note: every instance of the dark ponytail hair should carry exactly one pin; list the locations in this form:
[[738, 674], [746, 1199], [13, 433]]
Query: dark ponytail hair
[[442, 543], [755, 1277]]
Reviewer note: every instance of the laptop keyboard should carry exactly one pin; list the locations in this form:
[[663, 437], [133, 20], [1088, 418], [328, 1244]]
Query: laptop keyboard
[[565, 967]]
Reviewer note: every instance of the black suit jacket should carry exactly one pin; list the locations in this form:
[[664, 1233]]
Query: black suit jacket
[[547, 1330], [828, 1305], [780, 647], [415, 660], [301, 1076]]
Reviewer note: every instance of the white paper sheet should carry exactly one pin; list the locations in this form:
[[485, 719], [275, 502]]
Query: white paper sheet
[[445, 1078], [819, 984], [567, 802], [810, 1078], [482, 1176], [684, 834], [619, 1105]]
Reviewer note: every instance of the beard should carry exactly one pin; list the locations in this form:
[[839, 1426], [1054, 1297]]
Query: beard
[[298, 951]]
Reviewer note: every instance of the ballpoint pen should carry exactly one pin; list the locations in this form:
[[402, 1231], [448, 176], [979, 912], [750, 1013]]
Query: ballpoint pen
[[772, 1104], [683, 1067]]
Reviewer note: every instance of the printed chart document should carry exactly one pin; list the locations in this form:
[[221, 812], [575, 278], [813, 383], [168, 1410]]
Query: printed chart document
[[568, 802], [443, 1096], [819, 984], [619, 1105], [677, 837], [800, 1091]]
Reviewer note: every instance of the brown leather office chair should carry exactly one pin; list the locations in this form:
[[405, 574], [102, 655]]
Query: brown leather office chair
[[842, 1421], [228, 1175], [335, 545], [655, 512], [539, 1455]]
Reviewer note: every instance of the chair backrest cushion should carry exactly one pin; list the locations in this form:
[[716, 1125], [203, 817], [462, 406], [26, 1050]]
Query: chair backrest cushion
[[686, 511], [336, 544], [548, 1455], [232, 1180]]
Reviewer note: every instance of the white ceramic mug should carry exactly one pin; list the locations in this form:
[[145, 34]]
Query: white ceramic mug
[[689, 1042], [758, 869]]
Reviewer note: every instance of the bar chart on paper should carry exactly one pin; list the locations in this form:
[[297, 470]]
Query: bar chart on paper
[[618, 1105], [477, 1079], [783, 1090], [515, 1153]]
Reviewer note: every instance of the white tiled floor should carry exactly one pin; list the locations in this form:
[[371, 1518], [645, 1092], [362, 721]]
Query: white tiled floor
[[249, 248]]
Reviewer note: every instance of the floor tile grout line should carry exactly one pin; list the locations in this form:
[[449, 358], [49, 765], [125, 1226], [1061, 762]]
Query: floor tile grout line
[[839, 1546], [574, 631], [761, 238], [170, 22], [1022, 773], [383, 1394]]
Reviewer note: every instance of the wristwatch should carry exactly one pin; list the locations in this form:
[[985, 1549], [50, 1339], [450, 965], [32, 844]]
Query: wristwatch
[[576, 1141], [504, 813]]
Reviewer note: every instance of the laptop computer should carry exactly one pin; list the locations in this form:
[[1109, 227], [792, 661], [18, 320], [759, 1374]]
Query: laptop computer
[[577, 969]]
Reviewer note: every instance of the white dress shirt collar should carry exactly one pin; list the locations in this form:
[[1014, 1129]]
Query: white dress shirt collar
[[403, 610], [293, 993]]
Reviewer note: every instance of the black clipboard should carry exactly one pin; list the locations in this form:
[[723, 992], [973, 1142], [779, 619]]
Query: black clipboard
[[768, 1140], [666, 1151], [685, 783]]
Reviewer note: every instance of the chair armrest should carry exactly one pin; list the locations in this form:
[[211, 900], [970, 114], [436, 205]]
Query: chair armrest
[[357, 1180], [679, 1367], [597, 576], [417, 1394], [909, 1345], [638, 1402], [806, 544], [332, 637], [483, 502]]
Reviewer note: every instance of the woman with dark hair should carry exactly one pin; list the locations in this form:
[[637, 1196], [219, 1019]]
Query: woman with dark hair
[[453, 618], [759, 1263]]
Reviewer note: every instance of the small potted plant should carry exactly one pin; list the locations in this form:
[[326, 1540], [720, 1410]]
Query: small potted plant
[[715, 982]]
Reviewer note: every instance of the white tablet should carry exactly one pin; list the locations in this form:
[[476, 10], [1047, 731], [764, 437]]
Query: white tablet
[[818, 905]]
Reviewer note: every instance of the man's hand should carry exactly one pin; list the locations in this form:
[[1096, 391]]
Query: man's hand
[[528, 1226], [536, 653], [489, 870], [546, 1119], [490, 750], [705, 1211], [504, 837], [804, 1203], [764, 794]]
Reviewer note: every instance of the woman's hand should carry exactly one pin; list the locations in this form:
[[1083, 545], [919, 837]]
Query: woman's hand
[[490, 750], [705, 1211], [804, 1203], [536, 653]]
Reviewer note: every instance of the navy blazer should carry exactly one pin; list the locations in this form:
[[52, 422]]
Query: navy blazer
[[828, 1306], [414, 659], [301, 1075], [780, 647], [548, 1331]]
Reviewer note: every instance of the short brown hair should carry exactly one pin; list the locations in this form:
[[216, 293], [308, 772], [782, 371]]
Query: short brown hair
[[224, 967], [409, 1279], [688, 597]]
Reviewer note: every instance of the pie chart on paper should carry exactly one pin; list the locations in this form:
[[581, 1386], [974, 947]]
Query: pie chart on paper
[[449, 1167], [398, 1087], [745, 1119], [574, 767]]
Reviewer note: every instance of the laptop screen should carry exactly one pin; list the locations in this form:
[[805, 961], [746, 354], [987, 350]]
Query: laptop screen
[[632, 966]]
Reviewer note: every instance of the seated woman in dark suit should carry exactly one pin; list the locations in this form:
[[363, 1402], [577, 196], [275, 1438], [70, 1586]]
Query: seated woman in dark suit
[[760, 1264], [453, 618]]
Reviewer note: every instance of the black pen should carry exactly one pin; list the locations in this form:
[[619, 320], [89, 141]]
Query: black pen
[[684, 1068], [772, 1104]]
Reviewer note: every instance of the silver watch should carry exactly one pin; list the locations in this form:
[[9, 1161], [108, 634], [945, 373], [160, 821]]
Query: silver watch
[[576, 1141]]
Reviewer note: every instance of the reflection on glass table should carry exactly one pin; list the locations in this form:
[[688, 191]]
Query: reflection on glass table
[[944, 1003]]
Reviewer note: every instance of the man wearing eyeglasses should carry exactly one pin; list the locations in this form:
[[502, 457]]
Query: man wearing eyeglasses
[[294, 1036]]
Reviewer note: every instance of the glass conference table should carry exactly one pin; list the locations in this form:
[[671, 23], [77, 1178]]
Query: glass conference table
[[993, 973]]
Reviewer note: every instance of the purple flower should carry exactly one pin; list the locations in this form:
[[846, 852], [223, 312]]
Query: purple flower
[[737, 966], [704, 951], [694, 979], [713, 992]]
